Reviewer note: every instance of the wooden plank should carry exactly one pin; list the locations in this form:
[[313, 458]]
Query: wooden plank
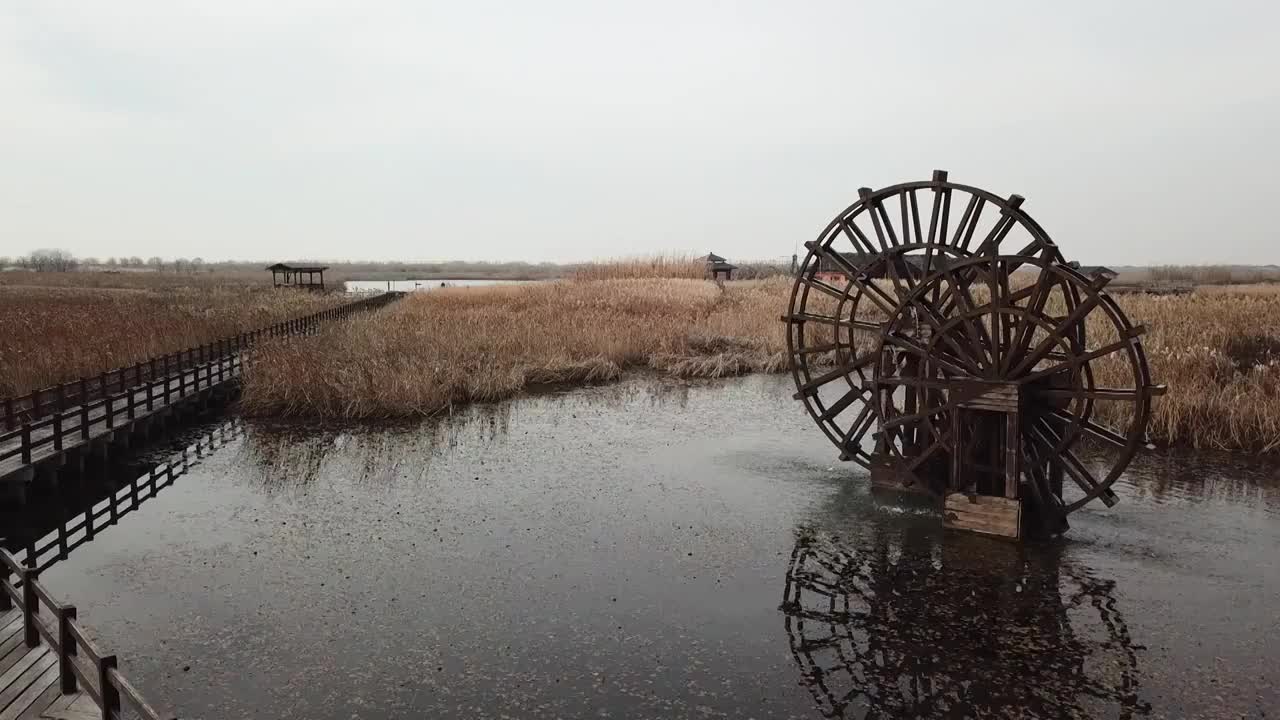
[[39, 686], [51, 695], [59, 703], [19, 685], [19, 655], [983, 514]]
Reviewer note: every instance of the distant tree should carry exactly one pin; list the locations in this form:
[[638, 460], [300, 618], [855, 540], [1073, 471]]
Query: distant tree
[[179, 264], [135, 261], [51, 260], [196, 264], [156, 262], [89, 261], [111, 262], [5, 262]]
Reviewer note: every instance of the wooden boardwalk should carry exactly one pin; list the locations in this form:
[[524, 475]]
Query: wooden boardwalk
[[30, 686], [70, 433]]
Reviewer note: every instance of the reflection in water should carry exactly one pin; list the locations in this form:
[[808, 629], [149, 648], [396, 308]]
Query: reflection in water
[[283, 455], [911, 628], [48, 531]]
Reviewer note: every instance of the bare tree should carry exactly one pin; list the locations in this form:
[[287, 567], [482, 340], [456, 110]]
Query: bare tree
[[112, 262], [156, 262], [51, 260], [196, 264], [5, 262], [134, 261]]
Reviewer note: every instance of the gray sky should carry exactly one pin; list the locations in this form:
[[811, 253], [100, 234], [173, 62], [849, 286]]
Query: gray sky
[[1140, 132]]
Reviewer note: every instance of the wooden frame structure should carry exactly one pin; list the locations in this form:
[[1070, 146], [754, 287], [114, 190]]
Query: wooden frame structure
[[302, 276], [940, 339]]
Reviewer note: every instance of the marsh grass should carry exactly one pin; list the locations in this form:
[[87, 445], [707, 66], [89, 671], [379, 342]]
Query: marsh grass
[[50, 335], [649, 267], [1218, 351], [445, 347]]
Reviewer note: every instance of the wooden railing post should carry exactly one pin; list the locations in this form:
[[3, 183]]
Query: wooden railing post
[[84, 391], [57, 431], [84, 421], [66, 648], [6, 602], [110, 695], [35, 404], [30, 607], [132, 401], [111, 416], [62, 396], [8, 413], [26, 443]]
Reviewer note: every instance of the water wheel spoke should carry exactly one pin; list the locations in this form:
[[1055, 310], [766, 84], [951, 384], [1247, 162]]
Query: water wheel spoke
[[1053, 393], [1041, 489], [826, 347], [824, 287], [851, 323], [968, 222], [976, 332], [879, 219], [858, 238], [813, 384], [1101, 432], [1007, 221], [844, 402], [1076, 360], [1072, 464], [940, 359], [1056, 334], [1040, 293], [858, 428], [856, 276], [940, 442], [915, 219]]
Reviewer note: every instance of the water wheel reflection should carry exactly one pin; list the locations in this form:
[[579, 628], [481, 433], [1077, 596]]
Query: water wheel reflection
[[955, 632]]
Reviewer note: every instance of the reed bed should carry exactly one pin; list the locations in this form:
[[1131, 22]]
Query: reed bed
[[1218, 352], [50, 335], [651, 267], [441, 348]]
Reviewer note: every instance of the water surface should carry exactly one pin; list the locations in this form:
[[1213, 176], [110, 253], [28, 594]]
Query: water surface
[[662, 549], [411, 285]]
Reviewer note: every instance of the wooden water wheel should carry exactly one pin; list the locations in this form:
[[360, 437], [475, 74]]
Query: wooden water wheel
[[956, 352]]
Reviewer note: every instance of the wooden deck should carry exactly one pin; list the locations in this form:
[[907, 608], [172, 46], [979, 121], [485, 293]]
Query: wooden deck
[[29, 679], [50, 441]]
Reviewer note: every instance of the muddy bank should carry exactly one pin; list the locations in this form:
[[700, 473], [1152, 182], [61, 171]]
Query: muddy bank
[[656, 548]]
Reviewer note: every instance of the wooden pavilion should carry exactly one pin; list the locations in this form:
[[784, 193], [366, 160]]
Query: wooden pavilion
[[717, 266], [302, 276]]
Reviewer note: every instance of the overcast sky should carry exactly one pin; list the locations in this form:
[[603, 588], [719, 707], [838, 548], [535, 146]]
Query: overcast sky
[[1139, 132]]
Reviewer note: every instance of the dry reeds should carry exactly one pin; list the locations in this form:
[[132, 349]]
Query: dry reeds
[[445, 347], [1219, 352], [50, 335], [651, 266]]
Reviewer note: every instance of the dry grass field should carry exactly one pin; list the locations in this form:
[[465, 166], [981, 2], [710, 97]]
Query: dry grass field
[[445, 347], [1218, 350], [56, 332]]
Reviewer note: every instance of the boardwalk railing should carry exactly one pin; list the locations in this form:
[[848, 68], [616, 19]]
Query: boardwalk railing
[[117, 408], [28, 408], [81, 665]]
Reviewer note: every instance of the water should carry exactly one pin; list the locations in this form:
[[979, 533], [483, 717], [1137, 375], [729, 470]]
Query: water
[[411, 285], [662, 549]]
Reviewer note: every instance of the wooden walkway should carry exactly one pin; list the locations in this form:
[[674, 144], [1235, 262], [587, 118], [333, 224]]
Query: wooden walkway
[[30, 686], [82, 427]]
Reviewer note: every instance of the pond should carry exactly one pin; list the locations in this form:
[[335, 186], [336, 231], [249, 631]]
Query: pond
[[657, 548], [411, 285]]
